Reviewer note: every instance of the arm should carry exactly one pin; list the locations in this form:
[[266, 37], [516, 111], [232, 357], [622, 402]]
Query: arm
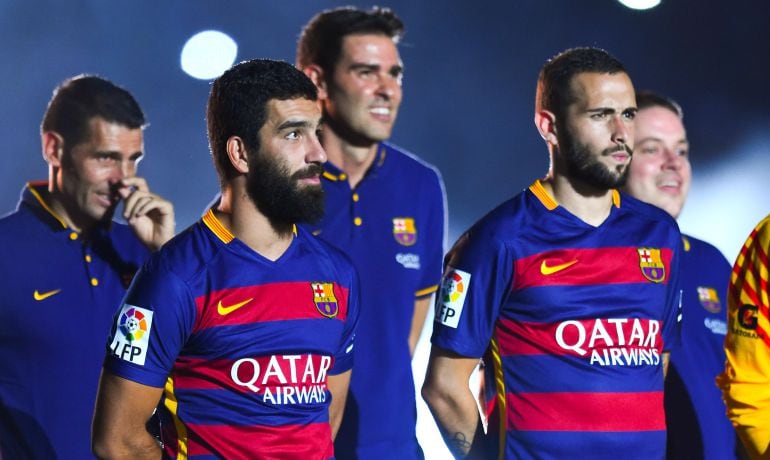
[[745, 382], [338, 386], [421, 306], [666, 359], [122, 410], [450, 399], [149, 216]]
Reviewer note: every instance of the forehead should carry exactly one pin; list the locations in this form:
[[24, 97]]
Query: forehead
[[369, 47], [106, 135], [292, 110], [592, 90], [659, 122]]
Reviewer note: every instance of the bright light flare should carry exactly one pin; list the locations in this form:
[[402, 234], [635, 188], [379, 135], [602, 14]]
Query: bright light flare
[[640, 4], [207, 54]]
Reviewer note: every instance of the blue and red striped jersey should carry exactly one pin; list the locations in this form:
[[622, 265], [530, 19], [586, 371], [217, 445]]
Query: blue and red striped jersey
[[242, 345], [575, 319]]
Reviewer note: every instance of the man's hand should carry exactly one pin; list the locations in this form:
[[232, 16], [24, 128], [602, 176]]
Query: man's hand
[[149, 216]]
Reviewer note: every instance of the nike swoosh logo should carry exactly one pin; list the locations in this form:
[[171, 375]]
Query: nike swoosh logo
[[38, 296], [222, 310], [546, 269]]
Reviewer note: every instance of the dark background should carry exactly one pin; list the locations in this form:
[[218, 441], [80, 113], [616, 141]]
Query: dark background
[[471, 68], [469, 87]]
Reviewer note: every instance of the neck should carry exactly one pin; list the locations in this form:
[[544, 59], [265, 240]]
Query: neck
[[352, 159], [240, 215], [589, 204], [72, 217]]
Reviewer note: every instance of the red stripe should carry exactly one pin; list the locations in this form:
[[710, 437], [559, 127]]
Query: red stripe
[[577, 337], [593, 266], [269, 302], [295, 371], [289, 442], [586, 411]]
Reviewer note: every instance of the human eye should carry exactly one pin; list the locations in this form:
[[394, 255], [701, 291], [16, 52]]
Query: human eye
[[682, 152], [649, 148], [292, 135], [629, 114]]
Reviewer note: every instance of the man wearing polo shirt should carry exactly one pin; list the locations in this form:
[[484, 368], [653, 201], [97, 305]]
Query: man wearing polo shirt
[[65, 265], [386, 209]]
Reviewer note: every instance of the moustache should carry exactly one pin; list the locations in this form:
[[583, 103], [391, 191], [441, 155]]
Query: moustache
[[621, 148], [314, 170]]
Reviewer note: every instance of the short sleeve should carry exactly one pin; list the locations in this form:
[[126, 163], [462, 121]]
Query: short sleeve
[[477, 278], [152, 324]]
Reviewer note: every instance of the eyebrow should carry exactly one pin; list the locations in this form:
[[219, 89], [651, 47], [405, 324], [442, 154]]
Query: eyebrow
[[115, 154], [363, 66], [658, 139], [289, 124]]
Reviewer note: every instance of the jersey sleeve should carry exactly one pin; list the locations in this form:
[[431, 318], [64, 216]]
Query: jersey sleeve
[[343, 358], [477, 276], [746, 381], [434, 203], [153, 323], [672, 319]]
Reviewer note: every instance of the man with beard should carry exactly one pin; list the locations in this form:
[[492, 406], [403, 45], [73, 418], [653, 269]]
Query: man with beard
[[660, 175], [386, 209], [570, 288], [241, 327], [65, 264]]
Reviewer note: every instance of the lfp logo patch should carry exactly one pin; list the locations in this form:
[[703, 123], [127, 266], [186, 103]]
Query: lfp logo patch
[[651, 264], [404, 230], [132, 334], [454, 288], [323, 297]]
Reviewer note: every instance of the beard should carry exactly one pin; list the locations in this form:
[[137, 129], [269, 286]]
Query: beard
[[584, 165], [277, 193]]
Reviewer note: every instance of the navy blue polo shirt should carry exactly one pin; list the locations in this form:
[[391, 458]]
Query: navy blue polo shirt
[[392, 225], [59, 294], [695, 413]]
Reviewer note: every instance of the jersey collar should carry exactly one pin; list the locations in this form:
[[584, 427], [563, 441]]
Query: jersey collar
[[334, 174], [550, 202]]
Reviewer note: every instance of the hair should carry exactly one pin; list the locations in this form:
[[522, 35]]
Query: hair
[[79, 99], [237, 104], [553, 84], [646, 99], [320, 41]]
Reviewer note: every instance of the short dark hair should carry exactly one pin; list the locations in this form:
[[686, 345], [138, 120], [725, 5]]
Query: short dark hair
[[646, 99], [320, 41], [553, 84], [238, 100], [79, 99]]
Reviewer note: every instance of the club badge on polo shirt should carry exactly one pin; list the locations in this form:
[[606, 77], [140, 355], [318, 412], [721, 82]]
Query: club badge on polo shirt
[[404, 230], [709, 299], [132, 334]]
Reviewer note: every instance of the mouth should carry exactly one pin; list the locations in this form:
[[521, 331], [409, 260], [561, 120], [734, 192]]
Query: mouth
[[381, 113], [310, 175], [621, 154], [670, 185], [106, 200]]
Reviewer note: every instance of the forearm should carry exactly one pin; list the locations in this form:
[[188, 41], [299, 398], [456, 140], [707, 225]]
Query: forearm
[[129, 446], [457, 417]]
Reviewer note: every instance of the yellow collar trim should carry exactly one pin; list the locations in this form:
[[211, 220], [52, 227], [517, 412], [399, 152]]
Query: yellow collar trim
[[45, 206], [550, 203], [216, 227]]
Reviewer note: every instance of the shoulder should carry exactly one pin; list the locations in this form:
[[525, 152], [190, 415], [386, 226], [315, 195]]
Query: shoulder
[[697, 246], [648, 213], [185, 255], [409, 162]]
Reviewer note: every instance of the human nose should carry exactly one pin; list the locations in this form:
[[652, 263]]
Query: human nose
[[121, 170], [388, 86], [315, 152], [622, 131], [673, 159]]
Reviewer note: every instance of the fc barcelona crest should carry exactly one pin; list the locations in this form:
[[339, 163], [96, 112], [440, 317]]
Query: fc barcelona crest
[[709, 299], [323, 297], [404, 231], [651, 264]]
